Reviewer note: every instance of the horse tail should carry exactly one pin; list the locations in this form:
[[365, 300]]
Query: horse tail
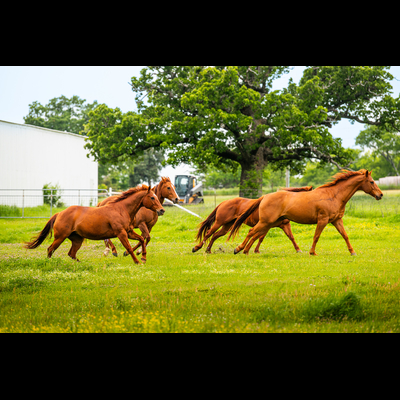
[[206, 225], [242, 217], [39, 239]]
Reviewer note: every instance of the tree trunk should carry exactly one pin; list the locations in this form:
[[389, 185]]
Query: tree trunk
[[251, 176]]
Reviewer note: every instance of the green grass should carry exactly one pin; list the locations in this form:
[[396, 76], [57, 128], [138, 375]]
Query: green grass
[[180, 291]]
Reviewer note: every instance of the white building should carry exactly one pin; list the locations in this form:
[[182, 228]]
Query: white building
[[31, 157]]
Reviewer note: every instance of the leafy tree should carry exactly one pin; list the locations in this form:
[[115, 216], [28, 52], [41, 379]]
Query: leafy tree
[[227, 116], [60, 113], [214, 178], [384, 143], [129, 173], [316, 174], [147, 168]]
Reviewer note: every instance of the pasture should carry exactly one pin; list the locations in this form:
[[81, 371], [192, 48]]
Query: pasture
[[278, 290]]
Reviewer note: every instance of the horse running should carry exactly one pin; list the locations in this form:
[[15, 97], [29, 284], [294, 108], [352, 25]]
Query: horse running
[[113, 220], [225, 215], [326, 204], [145, 219]]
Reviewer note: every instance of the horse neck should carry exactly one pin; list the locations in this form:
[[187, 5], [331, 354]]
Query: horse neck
[[134, 202], [158, 191], [346, 189]]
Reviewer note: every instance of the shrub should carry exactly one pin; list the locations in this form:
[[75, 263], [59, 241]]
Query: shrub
[[52, 195]]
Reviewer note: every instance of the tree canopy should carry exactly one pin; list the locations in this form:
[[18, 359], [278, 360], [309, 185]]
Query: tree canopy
[[61, 113], [226, 116], [384, 143]]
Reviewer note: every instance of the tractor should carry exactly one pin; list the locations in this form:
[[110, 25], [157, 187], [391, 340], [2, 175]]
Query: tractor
[[188, 190]]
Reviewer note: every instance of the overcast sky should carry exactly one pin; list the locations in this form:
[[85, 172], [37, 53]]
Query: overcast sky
[[20, 86]]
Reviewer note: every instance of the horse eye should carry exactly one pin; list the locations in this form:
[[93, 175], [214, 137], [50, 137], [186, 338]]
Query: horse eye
[[169, 188], [372, 182], [152, 198]]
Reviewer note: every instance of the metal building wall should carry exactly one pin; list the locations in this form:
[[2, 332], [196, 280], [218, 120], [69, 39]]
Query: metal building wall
[[31, 156]]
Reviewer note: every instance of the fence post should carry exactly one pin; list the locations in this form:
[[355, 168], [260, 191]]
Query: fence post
[[23, 202], [51, 203], [109, 192]]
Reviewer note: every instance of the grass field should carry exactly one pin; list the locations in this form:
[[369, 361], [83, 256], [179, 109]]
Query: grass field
[[278, 290]]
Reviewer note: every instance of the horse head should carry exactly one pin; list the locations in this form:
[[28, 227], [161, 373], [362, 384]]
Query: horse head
[[151, 202], [370, 187], [167, 190]]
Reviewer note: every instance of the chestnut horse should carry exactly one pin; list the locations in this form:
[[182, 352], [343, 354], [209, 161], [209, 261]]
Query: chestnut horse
[[326, 204], [145, 219], [225, 215], [112, 220]]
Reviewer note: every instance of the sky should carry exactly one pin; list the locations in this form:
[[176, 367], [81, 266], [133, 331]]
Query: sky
[[22, 85]]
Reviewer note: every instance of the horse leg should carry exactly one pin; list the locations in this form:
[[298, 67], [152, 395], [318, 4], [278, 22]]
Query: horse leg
[[136, 236], [123, 237], [114, 250], [257, 249], [133, 235], [261, 231], [210, 232], [107, 250], [259, 226], [223, 231], [286, 227], [54, 246], [321, 224], [339, 226], [77, 241], [145, 235]]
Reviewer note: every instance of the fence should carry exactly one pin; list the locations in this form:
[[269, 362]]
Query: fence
[[43, 203]]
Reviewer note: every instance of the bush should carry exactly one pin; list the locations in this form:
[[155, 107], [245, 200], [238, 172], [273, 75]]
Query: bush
[[52, 195]]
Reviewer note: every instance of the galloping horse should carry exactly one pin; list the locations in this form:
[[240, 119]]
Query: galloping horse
[[145, 219], [225, 215], [326, 204], [112, 220]]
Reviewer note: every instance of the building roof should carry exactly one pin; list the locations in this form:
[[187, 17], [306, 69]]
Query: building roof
[[47, 129]]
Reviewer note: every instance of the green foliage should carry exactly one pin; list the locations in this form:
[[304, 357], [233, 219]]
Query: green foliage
[[224, 116], [316, 174], [60, 113], [52, 195], [385, 146], [128, 173]]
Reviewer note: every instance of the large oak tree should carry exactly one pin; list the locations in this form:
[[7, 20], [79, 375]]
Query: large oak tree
[[225, 116]]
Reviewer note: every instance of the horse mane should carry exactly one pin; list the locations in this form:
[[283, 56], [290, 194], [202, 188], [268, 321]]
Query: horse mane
[[344, 174], [297, 189], [128, 193]]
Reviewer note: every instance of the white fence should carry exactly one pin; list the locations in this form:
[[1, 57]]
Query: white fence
[[43, 203]]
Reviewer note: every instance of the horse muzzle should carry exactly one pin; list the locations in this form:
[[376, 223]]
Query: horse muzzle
[[379, 196], [160, 212]]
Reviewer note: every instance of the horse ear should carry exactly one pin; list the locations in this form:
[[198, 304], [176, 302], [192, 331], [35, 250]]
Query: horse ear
[[152, 189], [366, 173], [148, 189]]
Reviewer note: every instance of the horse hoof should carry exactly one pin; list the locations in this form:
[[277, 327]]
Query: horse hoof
[[235, 252], [125, 253], [299, 251], [353, 254], [115, 254], [143, 260], [194, 250], [257, 251]]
